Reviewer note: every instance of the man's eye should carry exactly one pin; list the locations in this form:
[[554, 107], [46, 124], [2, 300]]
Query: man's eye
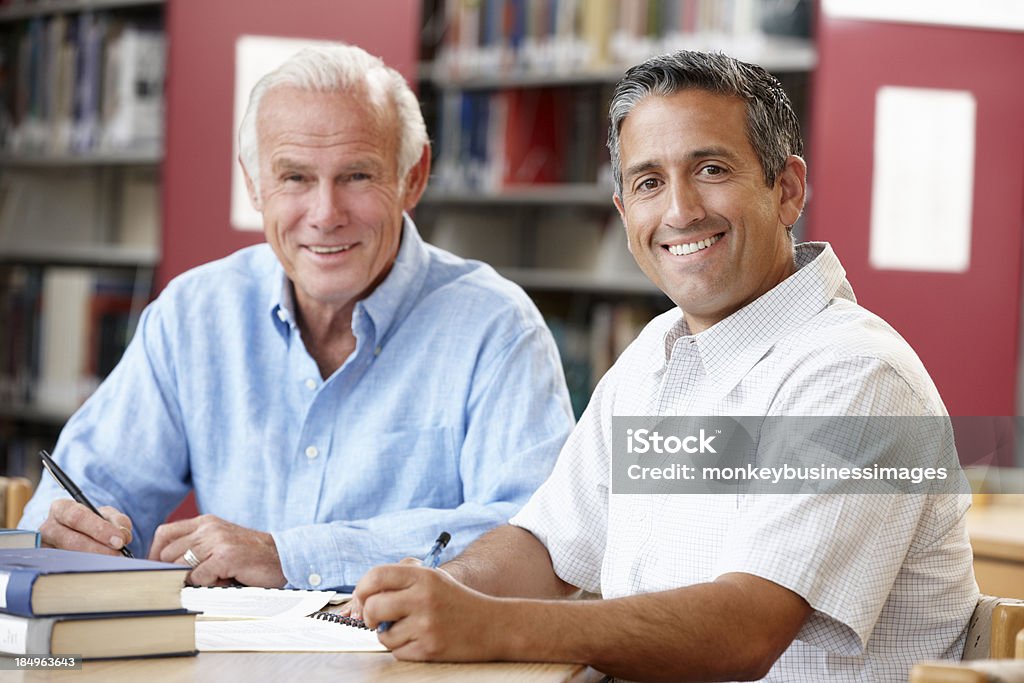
[[293, 178], [648, 185], [712, 170], [359, 176]]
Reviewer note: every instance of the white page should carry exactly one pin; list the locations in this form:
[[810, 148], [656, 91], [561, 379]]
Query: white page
[[297, 634], [253, 603], [922, 188], [1001, 15]]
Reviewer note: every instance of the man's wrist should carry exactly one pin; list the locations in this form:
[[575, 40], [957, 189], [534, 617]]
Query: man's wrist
[[458, 571]]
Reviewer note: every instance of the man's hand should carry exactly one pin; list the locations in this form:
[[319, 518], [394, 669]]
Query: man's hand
[[226, 552], [73, 526], [433, 616]]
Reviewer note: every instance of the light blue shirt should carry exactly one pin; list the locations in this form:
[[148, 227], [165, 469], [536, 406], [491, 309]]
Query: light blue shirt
[[448, 415]]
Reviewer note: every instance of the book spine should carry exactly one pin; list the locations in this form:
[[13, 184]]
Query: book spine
[[16, 592], [21, 636]]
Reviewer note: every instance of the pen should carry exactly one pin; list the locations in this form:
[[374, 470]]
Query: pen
[[65, 483], [431, 560]]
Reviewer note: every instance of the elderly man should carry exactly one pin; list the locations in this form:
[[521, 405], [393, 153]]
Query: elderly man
[[808, 587], [336, 396]]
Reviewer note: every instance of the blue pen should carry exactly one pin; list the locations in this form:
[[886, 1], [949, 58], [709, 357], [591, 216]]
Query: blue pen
[[432, 559]]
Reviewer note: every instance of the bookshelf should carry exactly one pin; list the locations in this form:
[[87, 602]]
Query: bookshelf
[[516, 95], [81, 138]]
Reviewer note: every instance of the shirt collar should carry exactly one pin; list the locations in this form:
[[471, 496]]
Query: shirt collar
[[733, 345], [393, 298], [388, 303]]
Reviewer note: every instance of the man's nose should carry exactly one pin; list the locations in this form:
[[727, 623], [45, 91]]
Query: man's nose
[[329, 210], [686, 205]]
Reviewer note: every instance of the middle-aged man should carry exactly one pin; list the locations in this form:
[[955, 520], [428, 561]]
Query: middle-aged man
[[813, 587], [335, 397]]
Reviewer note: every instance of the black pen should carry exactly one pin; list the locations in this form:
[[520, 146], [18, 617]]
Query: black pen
[[65, 483], [432, 559]]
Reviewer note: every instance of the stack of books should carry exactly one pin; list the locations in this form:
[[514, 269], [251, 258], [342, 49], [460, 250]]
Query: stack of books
[[61, 602]]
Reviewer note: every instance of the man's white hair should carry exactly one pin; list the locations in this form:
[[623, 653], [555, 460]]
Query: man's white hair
[[332, 69]]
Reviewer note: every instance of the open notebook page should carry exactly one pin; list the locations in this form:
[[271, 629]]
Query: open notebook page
[[255, 603], [292, 634]]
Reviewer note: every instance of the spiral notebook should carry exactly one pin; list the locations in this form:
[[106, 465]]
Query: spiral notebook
[[318, 632], [250, 602]]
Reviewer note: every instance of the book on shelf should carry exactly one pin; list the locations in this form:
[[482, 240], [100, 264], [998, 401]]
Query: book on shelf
[[68, 327], [566, 225], [100, 636], [515, 36], [478, 234], [28, 133], [533, 149], [50, 581], [591, 337], [84, 82], [133, 107], [91, 29], [23, 463], [510, 138], [39, 211], [62, 381], [115, 305], [16, 538], [20, 293], [573, 341], [138, 222]]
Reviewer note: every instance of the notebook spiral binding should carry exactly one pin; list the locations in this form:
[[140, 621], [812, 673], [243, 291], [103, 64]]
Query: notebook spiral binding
[[339, 619]]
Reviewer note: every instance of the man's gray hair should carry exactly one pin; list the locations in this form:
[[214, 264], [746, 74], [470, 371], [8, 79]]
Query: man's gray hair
[[339, 68], [772, 127]]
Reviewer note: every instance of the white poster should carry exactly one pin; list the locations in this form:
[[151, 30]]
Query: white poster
[[255, 56], [923, 182], [1000, 15]]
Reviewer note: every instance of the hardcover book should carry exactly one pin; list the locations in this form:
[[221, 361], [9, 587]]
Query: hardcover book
[[48, 581], [100, 636], [18, 538]]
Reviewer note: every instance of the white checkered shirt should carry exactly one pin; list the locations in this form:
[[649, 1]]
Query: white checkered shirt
[[889, 577]]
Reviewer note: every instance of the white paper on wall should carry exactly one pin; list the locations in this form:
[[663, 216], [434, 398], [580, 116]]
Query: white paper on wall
[[1001, 15], [922, 187]]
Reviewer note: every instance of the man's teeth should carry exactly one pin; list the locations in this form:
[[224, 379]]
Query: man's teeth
[[683, 249], [328, 250]]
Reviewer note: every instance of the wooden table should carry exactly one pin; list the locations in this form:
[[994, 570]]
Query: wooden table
[[271, 667], [997, 536]]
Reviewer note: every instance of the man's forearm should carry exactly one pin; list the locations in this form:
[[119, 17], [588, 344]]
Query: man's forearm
[[715, 631], [509, 562]]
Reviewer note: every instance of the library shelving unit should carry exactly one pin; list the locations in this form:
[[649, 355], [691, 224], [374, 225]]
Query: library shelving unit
[[81, 130], [516, 97]]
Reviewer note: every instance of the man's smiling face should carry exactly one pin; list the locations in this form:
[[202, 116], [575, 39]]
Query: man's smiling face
[[701, 222]]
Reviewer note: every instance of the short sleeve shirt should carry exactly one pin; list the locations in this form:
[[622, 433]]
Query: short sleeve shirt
[[889, 577]]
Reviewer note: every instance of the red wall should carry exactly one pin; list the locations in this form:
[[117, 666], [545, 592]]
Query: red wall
[[200, 101], [964, 326]]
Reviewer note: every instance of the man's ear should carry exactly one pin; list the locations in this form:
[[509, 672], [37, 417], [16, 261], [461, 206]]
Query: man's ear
[[416, 180], [622, 214], [254, 197], [793, 183]]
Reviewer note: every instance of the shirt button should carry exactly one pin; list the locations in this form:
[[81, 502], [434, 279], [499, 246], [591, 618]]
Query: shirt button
[[311, 384], [282, 315], [376, 351], [312, 452], [315, 580]]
